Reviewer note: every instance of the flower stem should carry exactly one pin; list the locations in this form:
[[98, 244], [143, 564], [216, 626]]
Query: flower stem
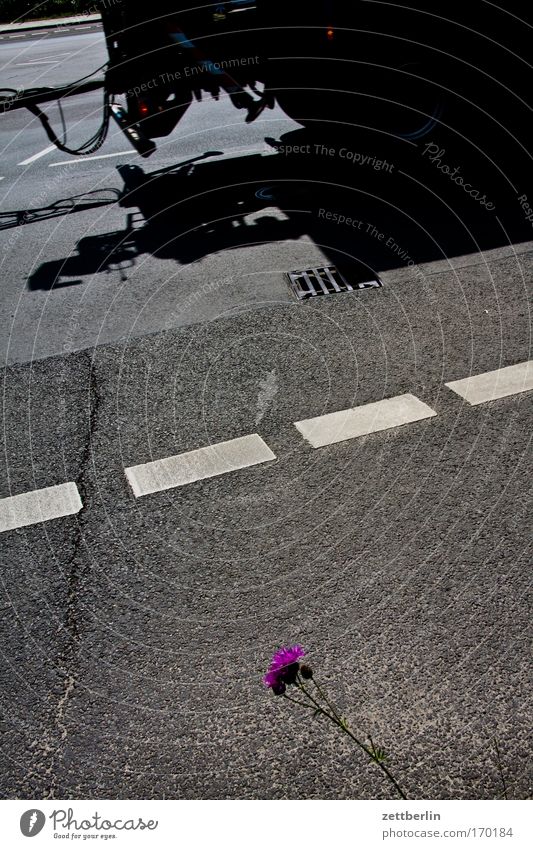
[[343, 725], [330, 706], [297, 702]]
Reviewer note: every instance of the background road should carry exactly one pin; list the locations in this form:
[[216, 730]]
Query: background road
[[136, 632], [104, 304], [74, 281]]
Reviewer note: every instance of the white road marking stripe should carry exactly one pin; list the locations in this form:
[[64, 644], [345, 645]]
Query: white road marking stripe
[[37, 156], [495, 384], [2, 178], [41, 505], [197, 465], [37, 62], [53, 58], [81, 159], [360, 421]]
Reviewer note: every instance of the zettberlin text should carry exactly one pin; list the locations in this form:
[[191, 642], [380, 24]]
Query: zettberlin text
[[407, 815]]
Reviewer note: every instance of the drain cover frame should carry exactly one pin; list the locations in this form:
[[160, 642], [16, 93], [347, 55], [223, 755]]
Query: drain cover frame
[[319, 280]]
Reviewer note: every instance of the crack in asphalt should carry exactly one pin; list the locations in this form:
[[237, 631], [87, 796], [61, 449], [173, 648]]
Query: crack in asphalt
[[68, 659]]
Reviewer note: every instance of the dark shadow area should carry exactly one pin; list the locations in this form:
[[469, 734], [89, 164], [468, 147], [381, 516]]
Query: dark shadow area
[[65, 206], [106, 252], [383, 204]]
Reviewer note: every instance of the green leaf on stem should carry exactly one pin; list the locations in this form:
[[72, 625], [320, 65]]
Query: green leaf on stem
[[379, 756], [376, 754]]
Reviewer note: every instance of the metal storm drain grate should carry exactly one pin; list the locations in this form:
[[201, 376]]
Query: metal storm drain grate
[[326, 280]]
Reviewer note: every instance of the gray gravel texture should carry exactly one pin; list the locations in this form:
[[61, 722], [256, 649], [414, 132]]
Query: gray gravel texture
[[135, 635]]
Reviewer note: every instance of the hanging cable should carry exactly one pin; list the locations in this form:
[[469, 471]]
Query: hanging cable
[[91, 145], [63, 123], [32, 92]]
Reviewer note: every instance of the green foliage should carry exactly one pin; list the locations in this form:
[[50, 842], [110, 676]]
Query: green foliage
[[378, 755]]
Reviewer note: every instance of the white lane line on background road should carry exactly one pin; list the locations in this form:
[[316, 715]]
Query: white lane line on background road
[[492, 385], [54, 59], [37, 156], [209, 462], [360, 421], [37, 62], [41, 505], [81, 159]]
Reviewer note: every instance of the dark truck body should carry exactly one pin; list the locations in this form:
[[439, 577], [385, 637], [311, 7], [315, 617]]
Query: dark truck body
[[163, 54], [390, 74], [393, 69]]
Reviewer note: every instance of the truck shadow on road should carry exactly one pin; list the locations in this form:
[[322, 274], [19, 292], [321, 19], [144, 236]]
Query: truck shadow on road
[[384, 208], [66, 206]]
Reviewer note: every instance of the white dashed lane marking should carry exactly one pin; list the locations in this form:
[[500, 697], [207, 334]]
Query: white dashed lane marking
[[198, 465], [37, 62], [360, 421], [41, 505], [55, 502], [495, 384], [36, 156], [55, 59], [83, 159]]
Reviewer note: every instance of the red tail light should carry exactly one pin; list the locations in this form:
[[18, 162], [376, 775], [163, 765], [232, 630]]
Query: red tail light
[[330, 34]]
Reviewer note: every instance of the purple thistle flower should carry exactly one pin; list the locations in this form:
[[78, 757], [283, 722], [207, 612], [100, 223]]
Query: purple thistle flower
[[283, 668], [273, 679]]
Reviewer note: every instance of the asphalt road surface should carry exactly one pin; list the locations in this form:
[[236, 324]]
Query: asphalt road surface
[[155, 319]]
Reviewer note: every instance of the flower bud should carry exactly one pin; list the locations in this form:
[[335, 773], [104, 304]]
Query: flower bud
[[289, 673], [306, 671]]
